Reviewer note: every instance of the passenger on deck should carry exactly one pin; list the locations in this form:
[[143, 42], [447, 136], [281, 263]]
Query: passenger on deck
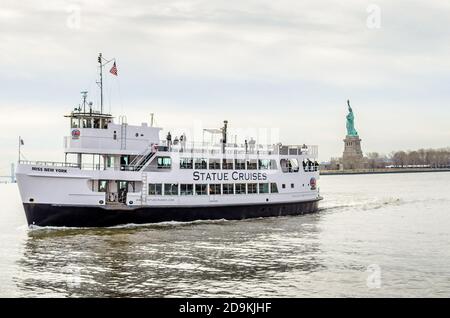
[[252, 144], [183, 141], [169, 140]]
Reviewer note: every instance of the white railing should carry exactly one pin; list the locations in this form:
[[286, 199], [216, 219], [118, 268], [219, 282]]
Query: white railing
[[49, 164], [231, 148]]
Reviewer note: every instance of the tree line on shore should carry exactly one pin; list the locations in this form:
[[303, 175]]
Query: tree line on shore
[[427, 158]]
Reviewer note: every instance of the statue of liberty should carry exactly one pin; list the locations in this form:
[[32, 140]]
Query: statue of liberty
[[351, 131]]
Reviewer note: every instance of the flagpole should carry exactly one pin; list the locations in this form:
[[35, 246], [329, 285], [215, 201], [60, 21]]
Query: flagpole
[[101, 82], [20, 139]]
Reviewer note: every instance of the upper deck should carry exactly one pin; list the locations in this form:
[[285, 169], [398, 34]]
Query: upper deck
[[95, 133], [232, 149]]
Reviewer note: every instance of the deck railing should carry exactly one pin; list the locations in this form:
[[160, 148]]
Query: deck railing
[[232, 148], [50, 164]]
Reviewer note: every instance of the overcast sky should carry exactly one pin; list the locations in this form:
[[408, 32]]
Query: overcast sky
[[283, 65]]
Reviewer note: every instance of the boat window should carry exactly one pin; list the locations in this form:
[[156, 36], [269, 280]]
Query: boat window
[[239, 164], [102, 185], [124, 160], [214, 164], [252, 164], [292, 186], [87, 123], [109, 161], [263, 188], [293, 163], [201, 163], [155, 189], [214, 189], [252, 188], [264, 164], [170, 188], [273, 188], [227, 164], [186, 163], [75, 123], [186, 189], [164, 162], [228, 188], [273, 164], [309, 165], [97, 123], [201, 189], [289, 165], [240, 188]]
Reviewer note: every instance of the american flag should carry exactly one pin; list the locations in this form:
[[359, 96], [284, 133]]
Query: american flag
[[113, 69]]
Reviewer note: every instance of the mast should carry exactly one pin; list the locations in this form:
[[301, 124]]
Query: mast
[[224, 135], [101, 82], [84, 95]]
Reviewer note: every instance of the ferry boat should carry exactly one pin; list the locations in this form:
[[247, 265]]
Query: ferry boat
[[115, 173]]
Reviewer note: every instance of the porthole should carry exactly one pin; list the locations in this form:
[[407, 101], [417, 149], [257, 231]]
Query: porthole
[[100, 202], [131, 202], [31, 200], [137, 135]]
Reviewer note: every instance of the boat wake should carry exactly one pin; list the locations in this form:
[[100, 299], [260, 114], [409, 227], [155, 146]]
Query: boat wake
[[364, 205], [167, 224]]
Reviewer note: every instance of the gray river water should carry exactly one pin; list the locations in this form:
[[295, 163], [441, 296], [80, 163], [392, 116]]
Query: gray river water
[[375, 235]]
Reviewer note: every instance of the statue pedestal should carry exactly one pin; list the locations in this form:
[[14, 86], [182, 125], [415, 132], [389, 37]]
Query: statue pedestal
[[353, 156]]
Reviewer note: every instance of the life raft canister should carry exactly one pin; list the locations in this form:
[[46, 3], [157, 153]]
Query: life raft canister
[[313, 183]]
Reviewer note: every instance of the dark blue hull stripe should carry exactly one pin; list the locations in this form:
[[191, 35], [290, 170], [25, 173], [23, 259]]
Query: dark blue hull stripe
[[99, 216]]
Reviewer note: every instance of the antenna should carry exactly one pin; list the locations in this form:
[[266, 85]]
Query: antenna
[[84, 96], [151, 119], [224, 135], [13, 173], [101, 82]]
